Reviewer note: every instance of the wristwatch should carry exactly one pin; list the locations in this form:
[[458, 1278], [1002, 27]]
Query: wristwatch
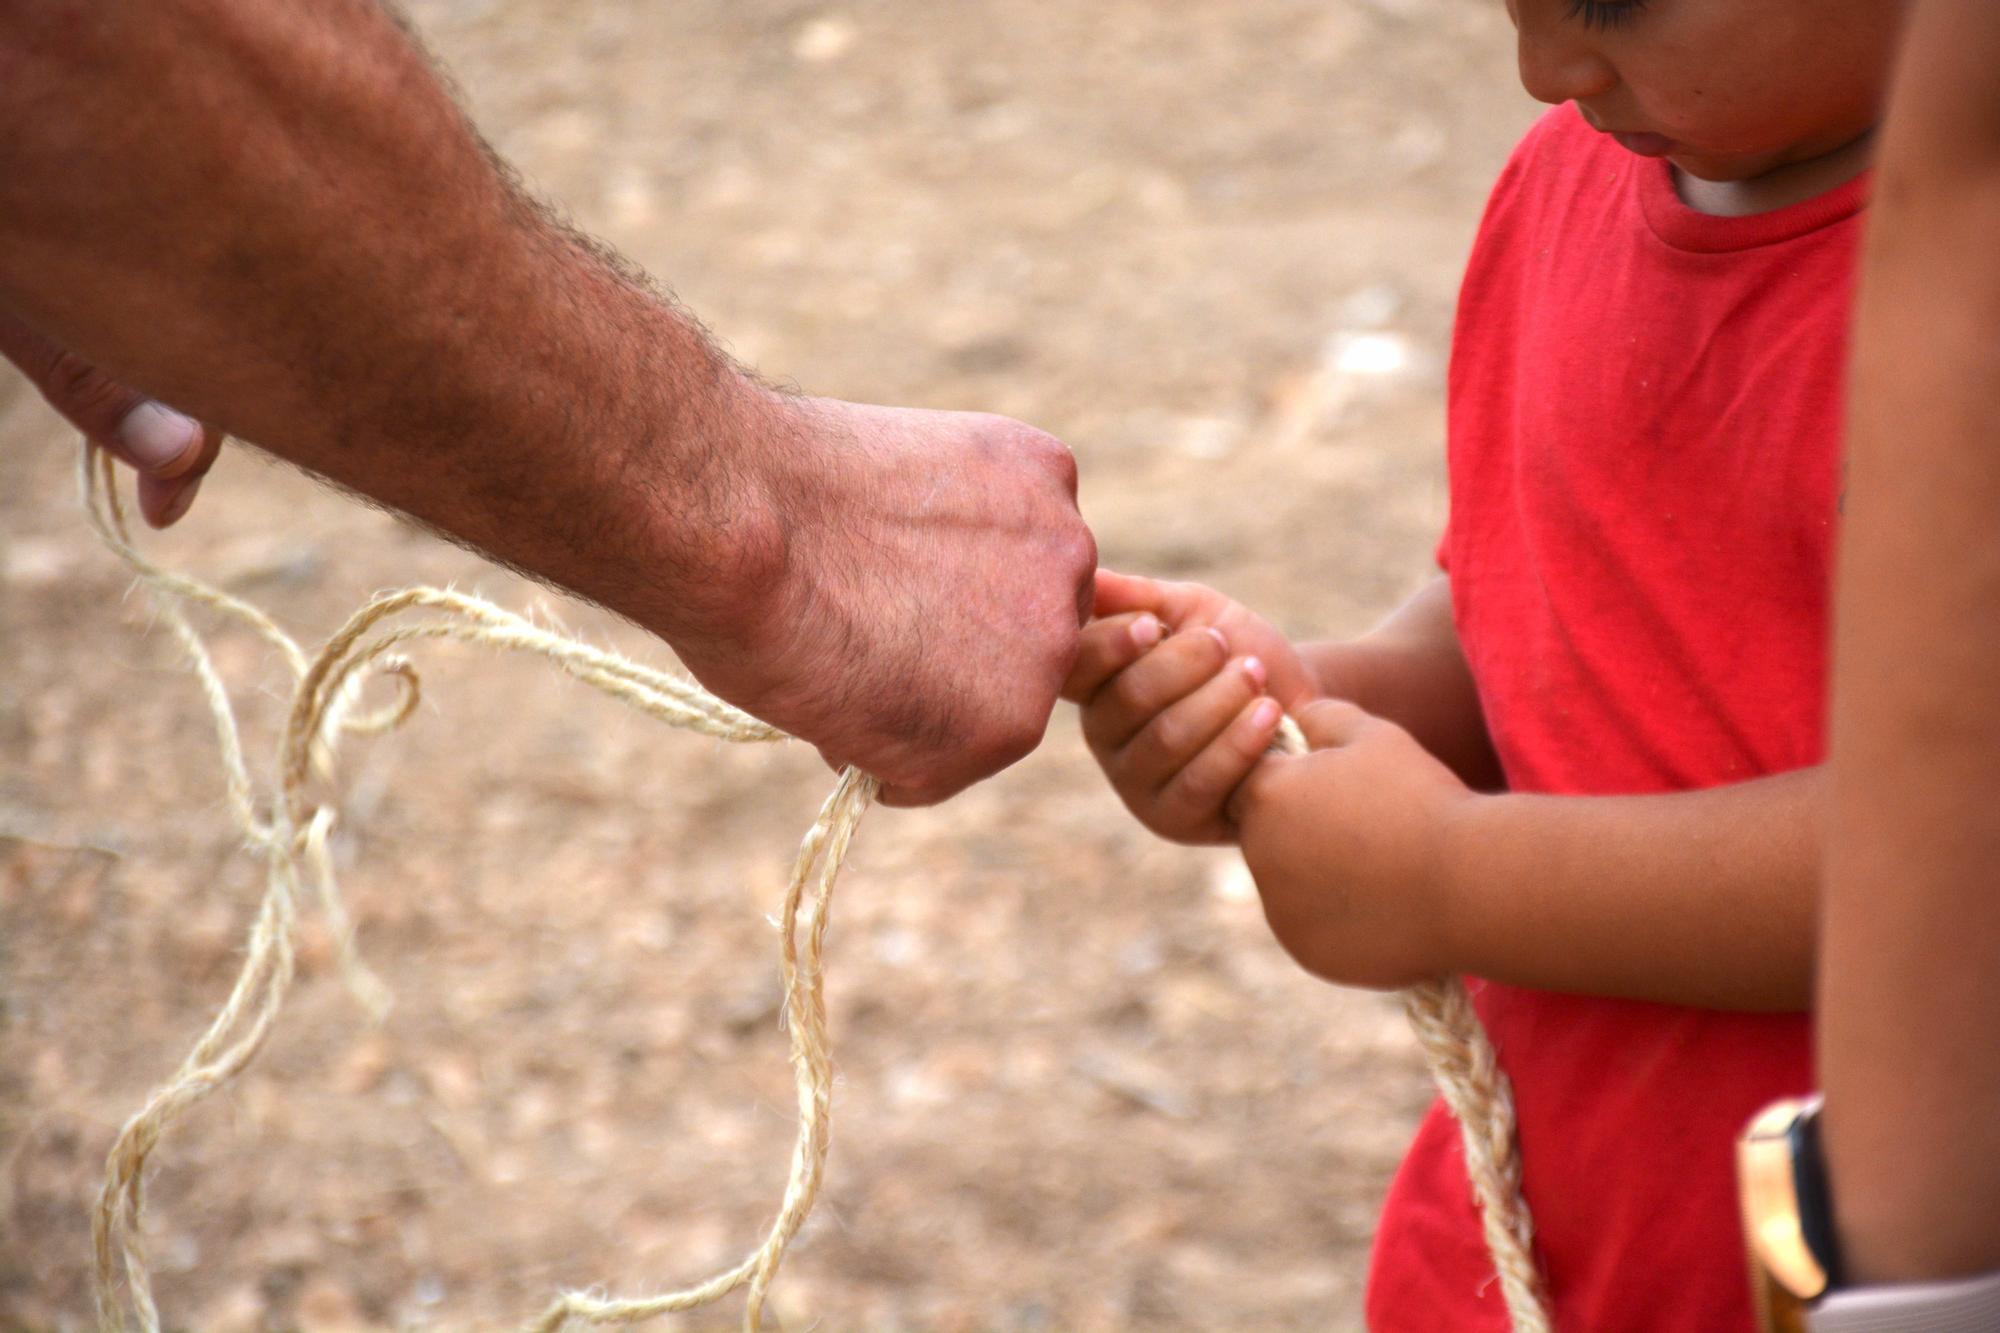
[[1787, 1214]]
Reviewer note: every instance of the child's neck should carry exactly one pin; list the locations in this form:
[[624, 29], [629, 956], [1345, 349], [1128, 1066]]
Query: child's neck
[[1780, 187]]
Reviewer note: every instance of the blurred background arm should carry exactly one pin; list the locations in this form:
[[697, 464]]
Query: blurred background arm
[[1910, 963]]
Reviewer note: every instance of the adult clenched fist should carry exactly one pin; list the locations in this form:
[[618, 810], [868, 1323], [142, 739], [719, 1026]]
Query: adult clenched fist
[[931, 575]]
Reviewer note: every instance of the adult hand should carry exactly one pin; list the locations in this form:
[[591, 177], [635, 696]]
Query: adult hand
[[171, 452], [934, 577], [1348, 847], [388, 311]]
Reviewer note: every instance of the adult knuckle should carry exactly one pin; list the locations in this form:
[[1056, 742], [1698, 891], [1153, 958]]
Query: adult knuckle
[[1017, 744], [1005, 739], [1035, 443], [1064, 465], [74, 382], [1077, 548]]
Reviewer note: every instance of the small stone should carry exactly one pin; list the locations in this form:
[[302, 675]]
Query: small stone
[[327, 1306], [240, 1311], [362, 1068], [823, 40], [36, 562]]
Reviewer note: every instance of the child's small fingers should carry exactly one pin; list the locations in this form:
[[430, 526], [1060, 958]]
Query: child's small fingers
[[1165, 745], [1201, 790], [1106, 648], [1161, 678], [1115, 593], [1172, 602]]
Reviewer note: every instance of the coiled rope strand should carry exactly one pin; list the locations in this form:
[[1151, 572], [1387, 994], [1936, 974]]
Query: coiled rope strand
[[1467, 1072], [291, 833], [291, 837]]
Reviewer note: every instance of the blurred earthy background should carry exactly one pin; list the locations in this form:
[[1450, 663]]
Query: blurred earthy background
[[1211, 243]]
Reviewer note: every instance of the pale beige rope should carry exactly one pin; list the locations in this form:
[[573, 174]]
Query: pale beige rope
[[1468, 1073], [290, 835]]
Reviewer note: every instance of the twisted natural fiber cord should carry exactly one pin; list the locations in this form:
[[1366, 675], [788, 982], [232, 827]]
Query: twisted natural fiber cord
[[1468, 1073], [290, 835]]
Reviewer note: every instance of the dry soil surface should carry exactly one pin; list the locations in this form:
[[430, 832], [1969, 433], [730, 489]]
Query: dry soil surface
[[1213, 244]]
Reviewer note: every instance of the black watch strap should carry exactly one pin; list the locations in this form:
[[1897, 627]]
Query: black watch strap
[[1815, 1196]]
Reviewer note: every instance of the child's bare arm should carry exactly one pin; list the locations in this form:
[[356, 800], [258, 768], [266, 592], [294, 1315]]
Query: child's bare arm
[[1702, 898], [1378, 866], [1411, 670]]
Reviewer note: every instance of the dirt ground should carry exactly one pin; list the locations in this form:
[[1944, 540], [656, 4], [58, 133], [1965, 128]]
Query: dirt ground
[[1213, 244]]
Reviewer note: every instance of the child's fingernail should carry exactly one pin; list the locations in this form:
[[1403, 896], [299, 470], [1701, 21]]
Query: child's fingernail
[[1216, 634], [1145, 632], [155, 435], [1266, 713], [1255, 670]]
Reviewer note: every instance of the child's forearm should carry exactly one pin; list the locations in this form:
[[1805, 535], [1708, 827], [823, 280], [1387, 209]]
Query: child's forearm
[[1410, 670], [1702, 898]]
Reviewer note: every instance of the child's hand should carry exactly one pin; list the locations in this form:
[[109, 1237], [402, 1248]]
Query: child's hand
[[1176, 720], [1187, 606], [1348, 848]]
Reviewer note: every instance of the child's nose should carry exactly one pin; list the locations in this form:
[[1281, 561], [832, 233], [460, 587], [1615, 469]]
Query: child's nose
[[1558, 66]]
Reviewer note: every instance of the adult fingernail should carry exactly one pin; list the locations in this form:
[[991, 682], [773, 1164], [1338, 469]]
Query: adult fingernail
[[1255, 670], [1265, 713], [154, 435], [1146, 632]]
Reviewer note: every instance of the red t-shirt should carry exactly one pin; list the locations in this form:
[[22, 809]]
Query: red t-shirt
[[1645, 414]]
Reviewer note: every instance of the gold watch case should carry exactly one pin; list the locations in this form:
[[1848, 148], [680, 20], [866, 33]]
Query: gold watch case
[[1784, 1276]]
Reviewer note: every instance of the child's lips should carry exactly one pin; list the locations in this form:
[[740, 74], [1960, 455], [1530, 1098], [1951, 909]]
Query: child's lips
[[1645, 145]]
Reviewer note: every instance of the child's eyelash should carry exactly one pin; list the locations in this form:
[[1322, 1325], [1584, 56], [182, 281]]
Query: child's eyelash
[[1605, 13]]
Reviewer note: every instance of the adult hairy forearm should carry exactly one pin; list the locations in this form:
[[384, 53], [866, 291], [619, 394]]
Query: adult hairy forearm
[[1411, 670], [293, 233], [273, 218], [1909, 986], [1702, 898]]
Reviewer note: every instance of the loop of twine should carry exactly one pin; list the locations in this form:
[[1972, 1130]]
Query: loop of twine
[[1467, 1072], [290, 835]]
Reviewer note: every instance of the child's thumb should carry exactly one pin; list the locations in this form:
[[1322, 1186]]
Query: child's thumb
[[1331, 723]]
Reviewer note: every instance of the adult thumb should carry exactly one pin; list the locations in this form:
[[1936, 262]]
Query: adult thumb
[[170, 450]]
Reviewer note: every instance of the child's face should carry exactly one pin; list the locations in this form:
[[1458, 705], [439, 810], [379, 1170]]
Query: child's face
[[1726, 89]]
